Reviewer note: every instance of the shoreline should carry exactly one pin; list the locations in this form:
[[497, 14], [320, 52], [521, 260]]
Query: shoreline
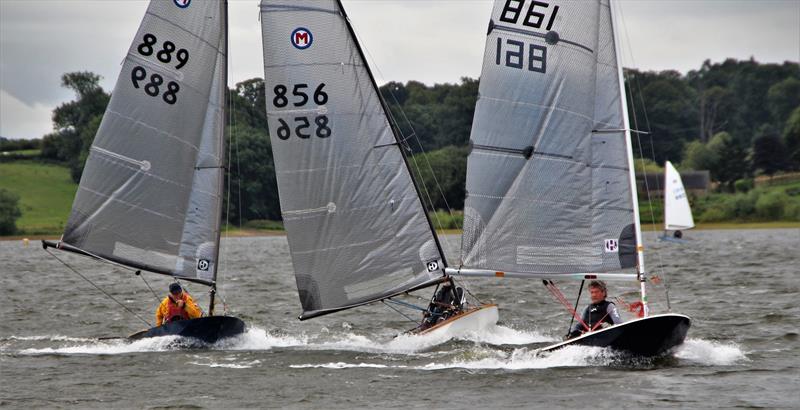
[[244, 233]]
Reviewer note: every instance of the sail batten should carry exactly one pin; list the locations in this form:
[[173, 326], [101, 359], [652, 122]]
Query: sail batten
[[549, 83], [150, 193], [356, 227]]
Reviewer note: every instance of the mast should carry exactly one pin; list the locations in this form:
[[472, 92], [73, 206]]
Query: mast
[[213, 291], [395, 131], [664, 194], [631, 171]]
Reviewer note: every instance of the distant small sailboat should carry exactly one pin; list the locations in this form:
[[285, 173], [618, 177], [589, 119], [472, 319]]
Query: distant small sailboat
[[677, 212], [150, 197], [551, 190], [357, 229]]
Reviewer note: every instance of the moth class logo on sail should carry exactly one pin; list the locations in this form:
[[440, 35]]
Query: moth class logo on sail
[[182, 3], [301, 38], [611, 246]]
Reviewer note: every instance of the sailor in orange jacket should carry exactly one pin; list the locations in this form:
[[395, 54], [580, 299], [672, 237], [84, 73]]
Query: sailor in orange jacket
[[178, 305]]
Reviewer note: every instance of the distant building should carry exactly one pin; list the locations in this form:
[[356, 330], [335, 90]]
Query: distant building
[[694, 182]]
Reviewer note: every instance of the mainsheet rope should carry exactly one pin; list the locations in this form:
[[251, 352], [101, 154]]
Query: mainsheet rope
[[576, 306], [139, 274], [99, 288], [412, 320], [560, 297]]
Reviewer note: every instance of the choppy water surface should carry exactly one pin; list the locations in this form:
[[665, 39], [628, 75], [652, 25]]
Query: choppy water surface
[[740, 288]]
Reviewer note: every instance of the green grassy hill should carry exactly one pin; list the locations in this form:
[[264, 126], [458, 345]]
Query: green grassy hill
[[46, 192]]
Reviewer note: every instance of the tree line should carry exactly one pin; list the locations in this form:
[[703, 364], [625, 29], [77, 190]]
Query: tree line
[[737, 119]]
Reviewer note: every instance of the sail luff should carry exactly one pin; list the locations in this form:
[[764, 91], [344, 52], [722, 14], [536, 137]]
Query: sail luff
[[395, 130], [640, 268]]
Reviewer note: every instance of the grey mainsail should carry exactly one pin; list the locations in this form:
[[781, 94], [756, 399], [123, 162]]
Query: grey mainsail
[[549, 187], [356, 227], [150, 194]]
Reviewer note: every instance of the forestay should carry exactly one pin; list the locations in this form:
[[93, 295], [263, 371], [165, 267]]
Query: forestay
[[548, 178], [150, 193], [677, 213], [356, 227]]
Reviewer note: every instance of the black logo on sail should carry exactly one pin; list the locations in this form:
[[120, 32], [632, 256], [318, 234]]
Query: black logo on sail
[[433, 266], [203, 264]]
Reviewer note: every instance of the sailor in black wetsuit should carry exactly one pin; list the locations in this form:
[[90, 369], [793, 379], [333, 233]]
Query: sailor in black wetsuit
[[600, 311], [446, 302]]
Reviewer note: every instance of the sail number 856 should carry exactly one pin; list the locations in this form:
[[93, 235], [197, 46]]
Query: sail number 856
[[301, 98], [281, 100]]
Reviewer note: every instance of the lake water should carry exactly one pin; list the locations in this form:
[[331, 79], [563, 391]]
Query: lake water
[[740, 287]]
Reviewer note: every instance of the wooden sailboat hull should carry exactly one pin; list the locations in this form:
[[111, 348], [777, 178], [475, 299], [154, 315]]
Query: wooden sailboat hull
[[473, 319], [648, 336], [208, 329]]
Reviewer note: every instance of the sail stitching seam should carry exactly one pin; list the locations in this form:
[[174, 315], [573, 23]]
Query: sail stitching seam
[[553, 107], [277, 8], [185, 30], [535, 34]]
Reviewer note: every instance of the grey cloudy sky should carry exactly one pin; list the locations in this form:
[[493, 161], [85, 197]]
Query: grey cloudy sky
[[432, 41]]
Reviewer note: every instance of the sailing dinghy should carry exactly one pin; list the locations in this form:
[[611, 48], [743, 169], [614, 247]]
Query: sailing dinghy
[[150, 197], [677, 212], [550, 185], [357, 229]]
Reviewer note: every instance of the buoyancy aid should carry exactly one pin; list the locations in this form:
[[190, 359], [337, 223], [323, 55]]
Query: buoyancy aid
[[175, 312], [598, 312]]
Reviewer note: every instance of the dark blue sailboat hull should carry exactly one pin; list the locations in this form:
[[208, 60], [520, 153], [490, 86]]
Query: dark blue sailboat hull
[[208, 329], [649, 336]]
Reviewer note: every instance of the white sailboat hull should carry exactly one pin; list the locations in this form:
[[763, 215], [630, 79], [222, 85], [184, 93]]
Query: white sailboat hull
[[472, 320]]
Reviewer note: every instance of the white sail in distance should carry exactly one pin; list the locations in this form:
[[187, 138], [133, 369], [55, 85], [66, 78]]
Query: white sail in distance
[[677, 212]]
